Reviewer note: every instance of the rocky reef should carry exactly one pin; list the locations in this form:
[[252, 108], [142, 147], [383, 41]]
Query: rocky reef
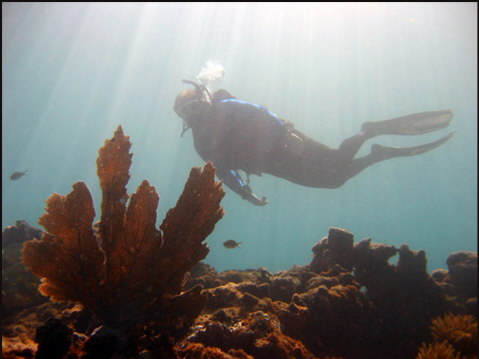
[[349, 302], [19, 285]]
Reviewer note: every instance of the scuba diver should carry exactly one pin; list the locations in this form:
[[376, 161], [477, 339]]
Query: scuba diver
[[237, 135]]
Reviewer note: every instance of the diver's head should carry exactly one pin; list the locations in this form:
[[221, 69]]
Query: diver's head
[[190, 102], [186, 103]]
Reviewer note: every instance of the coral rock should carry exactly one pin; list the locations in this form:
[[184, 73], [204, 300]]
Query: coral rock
[[411, 262], [223, 296], [54, 339], [200, 351], [394, 296], [15, 348], [19, 285], [463, 271], [259, 290], [336, 248], [283, 287], [19, 331], [258, 335], [460, 282]]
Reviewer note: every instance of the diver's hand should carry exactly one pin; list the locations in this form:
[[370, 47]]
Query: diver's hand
[[251, 197], [256, 201], [259, 202]]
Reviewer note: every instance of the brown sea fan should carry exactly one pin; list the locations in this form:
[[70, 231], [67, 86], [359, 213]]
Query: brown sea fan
[[124, 269]]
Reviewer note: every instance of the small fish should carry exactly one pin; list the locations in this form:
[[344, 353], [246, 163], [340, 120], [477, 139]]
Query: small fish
[[17, 175], [231, 244]]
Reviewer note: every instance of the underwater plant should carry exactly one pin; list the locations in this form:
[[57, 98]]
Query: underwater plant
[[122, 268], [460, 331], [454, 336], [441, 350]]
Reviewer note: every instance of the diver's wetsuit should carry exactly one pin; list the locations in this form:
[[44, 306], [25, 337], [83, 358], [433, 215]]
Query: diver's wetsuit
[[237, 135]]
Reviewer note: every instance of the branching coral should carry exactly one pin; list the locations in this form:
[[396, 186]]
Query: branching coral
[[454, 336], [437, 351], [124, 269], [460, 331]]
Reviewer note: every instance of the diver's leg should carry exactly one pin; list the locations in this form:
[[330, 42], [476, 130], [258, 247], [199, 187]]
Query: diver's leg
[[310, 163], [381, 153], [415, 124], [351, 145], [313, 164], [384, 153]]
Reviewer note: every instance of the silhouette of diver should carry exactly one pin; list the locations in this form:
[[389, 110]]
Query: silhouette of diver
[[237, 135]]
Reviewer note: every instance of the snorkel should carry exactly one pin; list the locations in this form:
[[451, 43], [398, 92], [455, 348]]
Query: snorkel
[[201, 91], [211, 73], [201, 94]]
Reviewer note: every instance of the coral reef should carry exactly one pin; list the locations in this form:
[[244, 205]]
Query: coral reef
[[394, 295], [460, 282], [19, 285], [441, 350], [458, 332], [19, 329], [349, 303], [454, 336], [199, 351], [463, 271], [54, 339], [123, 269], [258, 334]]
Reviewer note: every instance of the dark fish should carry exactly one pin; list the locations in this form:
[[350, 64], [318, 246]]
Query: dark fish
[[231, 244], [17, 175]]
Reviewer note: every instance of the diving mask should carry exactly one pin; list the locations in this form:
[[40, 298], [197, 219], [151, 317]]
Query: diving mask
[[187, 110]]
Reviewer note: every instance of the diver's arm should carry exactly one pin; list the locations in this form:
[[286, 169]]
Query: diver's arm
[[234, 181]]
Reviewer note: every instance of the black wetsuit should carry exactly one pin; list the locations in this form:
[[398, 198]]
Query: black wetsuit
[[237, 135]]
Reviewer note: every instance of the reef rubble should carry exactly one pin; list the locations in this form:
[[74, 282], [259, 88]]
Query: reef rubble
[[349, 302]]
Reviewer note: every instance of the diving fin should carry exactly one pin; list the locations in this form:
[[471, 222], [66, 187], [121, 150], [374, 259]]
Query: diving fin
[[414, 124], [384, 153]]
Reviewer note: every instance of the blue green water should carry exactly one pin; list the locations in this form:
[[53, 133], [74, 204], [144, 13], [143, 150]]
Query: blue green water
[[72, 72]]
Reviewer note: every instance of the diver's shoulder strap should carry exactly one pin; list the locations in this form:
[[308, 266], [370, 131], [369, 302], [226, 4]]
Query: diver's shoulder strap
[[221, 95]]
